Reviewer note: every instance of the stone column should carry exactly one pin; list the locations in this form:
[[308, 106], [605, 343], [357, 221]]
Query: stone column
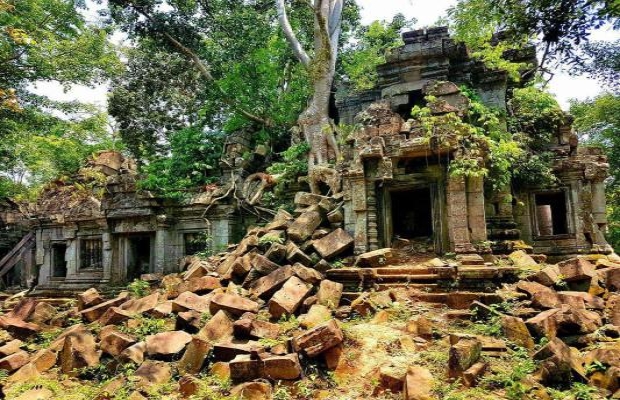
[[159, 249], [458, 229], [599, 211], [106, 239], [359, 208], [475, 209]]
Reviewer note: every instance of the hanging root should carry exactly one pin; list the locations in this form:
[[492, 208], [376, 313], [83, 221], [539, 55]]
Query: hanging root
[[255, 186]]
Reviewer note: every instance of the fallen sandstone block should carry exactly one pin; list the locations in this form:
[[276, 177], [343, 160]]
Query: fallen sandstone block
[[167, 344], [333, 244], [286, 300], [234, 304], [318, 339]]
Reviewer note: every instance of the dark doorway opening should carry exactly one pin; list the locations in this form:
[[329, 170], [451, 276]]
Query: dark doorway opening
[[416, 98], [412, 215], [551, 214], [139, 256], [59, 262]]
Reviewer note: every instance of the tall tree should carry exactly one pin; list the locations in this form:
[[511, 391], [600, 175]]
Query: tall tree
[[314, 120], [42, 41], [559, 28]]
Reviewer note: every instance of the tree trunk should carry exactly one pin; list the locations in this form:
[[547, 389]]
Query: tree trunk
[[314, 121]]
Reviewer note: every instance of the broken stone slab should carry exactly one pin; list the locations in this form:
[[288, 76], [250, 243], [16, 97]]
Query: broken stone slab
[[190, 301], [43, 360], [420, 326], [473, 374], [276, 253], [189, 386], [516, 331], [233, 304], [244, 368], [280, 221], [162, 310], [201, 285], [43, 313], [189, 321], [317, 315], [253, 328], [89, 299], [309, 275], [115, 342], [522, 260], [286, 300], [330, 293], [547, 276], [228, 351], [544, 324], [589, 301], [462, 356], [606, 354], [114, 316], [252, 391], [556, 362], [10, 347], [134, 353], [319, 339], [542, 297], [142, 305], [18, 328], [195, 357], [261, 266], [218, 328], [266, 286], [334, 244], [23, 309], [373, 259], [304, 225], [612, 310], [419, 384], [94, 313], [576, 269], [14, 361], [295, 255], [78, 351], [167, 344], [153, 373], [285, 367]]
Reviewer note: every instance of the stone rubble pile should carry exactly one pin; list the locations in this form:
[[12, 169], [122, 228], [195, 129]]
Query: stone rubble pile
[[263, 312], [229, 311], [573, 307]]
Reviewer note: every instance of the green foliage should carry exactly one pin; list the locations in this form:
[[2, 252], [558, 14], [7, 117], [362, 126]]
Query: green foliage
[[373, 43], [293, 165], [597, 122], [558, 28], [49, 40], [139, 288], [192, 162], [509, 377], [270, 239], [578, 391], [146, 326]]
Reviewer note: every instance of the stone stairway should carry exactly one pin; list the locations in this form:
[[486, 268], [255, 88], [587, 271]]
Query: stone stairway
[[455, 284]]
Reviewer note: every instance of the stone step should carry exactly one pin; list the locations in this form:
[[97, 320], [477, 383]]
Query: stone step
[[429, 287], [407, 278]]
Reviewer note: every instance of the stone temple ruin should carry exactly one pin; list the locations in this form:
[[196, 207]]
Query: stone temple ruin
[[395, 188]]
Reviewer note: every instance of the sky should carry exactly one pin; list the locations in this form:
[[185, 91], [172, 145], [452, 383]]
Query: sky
[[563, 85]]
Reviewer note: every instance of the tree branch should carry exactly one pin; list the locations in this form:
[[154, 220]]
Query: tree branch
[[296, 46], [335, 16], [204, 70]]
